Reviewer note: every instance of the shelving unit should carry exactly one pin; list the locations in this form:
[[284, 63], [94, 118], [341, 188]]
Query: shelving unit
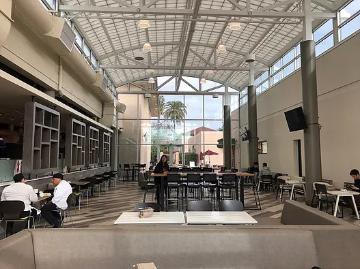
[[41, 139], [75, 145], [93, 146], [105, 148]]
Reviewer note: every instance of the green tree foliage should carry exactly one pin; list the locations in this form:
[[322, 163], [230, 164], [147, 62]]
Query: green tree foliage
[[175, 111]]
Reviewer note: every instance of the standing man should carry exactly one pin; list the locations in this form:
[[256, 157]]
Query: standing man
[[62, 191], [20, 191]]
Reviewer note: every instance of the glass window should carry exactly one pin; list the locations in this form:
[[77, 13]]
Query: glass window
[[169, 86], [213, 107], [78, 38], [349, 10], [289, 69], [234, 102], [324, 45], [50, 4], [262, 147], [277, 77], [289, 56], [193, 81], [350, 27], [209, 84], [185, 87], [86, 50], [193, 131], [323, 30], [194, 106], [276, 66]]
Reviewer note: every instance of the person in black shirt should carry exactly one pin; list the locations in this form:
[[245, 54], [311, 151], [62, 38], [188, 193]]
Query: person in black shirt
[[254, 169], [161, 167], [354, 173]]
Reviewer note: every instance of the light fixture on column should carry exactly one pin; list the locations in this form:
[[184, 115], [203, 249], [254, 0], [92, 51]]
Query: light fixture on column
[[147, 47], [202, 81], [151, 80], [143, 24], [215, 95], [221, 49], [234, 25]]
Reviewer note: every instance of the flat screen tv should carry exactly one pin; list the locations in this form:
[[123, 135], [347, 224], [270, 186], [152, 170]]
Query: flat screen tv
[[295, 119]]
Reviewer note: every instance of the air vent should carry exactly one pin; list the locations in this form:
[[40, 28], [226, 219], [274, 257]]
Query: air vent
[[67, 36], [139, 58]]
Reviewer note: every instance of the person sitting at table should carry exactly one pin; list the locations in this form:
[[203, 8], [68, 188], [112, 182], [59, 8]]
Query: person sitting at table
[[354, 173], [62, 191], [161, 167], [265, 171], [20, 191], [254, 169]]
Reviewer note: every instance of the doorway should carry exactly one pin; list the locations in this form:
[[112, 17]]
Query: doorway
[[298, 156]]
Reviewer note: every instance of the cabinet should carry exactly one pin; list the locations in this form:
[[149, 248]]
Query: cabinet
[[105, 148], [93, 146]]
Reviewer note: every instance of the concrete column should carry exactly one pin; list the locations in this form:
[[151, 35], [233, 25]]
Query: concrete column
[[252, 121], [310, 105], [227, 137]]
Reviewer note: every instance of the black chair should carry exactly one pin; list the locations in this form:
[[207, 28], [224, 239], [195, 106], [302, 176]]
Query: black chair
[[174, 169], [199, 205], [251, 183], [149, 184], [231, 205], [208, 170], [193, 184], [173, 183], [228, 183], [324, 197], [10, 212], [154, 206], [67, 213], [127, 171], [210, 185], [266, 182]]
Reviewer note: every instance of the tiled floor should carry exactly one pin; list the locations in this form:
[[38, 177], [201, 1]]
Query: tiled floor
[[103, 210]]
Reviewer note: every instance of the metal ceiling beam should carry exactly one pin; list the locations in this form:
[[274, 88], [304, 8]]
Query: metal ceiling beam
[[126, 18], [324, 4], [169, 67], [165, 55], [151, 3], [202, 58], [188, 42], [174, 11], [278, 4], [191, 86], [123, 3], [235, 4]]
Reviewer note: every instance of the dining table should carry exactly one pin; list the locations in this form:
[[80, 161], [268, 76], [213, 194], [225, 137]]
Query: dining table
[[219, 217], [155, 218], [344, 193]]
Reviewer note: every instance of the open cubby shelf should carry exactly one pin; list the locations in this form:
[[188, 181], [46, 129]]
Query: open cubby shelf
[[93, 146], [41, 138], [105, 148], [77, 132]]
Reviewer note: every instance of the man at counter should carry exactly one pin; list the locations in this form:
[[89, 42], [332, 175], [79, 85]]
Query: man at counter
[[62, 190]]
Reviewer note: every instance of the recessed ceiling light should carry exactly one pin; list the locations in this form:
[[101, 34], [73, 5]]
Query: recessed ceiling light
[[221, 49], [143, 24], [139, 58], [147, 47], [234, 25]]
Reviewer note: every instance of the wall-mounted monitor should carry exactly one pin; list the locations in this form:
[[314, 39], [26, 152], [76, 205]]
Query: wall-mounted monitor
[[295, 119]]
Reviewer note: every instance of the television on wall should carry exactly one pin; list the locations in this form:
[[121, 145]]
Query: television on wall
[[295, 119]]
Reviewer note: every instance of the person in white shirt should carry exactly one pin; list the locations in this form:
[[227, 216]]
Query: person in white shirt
[[62, 191], [20, 191]]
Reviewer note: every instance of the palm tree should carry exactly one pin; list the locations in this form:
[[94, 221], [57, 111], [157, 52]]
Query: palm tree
[[175, 111], [161, 106]]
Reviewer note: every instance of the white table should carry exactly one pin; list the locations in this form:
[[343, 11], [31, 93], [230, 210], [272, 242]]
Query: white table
[[344, 194], [219, 217], [156, 218]]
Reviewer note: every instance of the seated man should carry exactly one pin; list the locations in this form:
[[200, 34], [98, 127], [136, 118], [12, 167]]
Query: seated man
[[254, 169], [265, 171], [354, 173], [62, 191], [20, 191]]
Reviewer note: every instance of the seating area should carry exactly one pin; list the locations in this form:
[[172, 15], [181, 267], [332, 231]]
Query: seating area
[[165, 134]]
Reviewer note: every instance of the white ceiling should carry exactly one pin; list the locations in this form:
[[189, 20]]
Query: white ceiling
[[182, 43]]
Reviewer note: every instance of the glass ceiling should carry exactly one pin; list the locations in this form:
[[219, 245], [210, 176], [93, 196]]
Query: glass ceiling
[[184, 35]]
